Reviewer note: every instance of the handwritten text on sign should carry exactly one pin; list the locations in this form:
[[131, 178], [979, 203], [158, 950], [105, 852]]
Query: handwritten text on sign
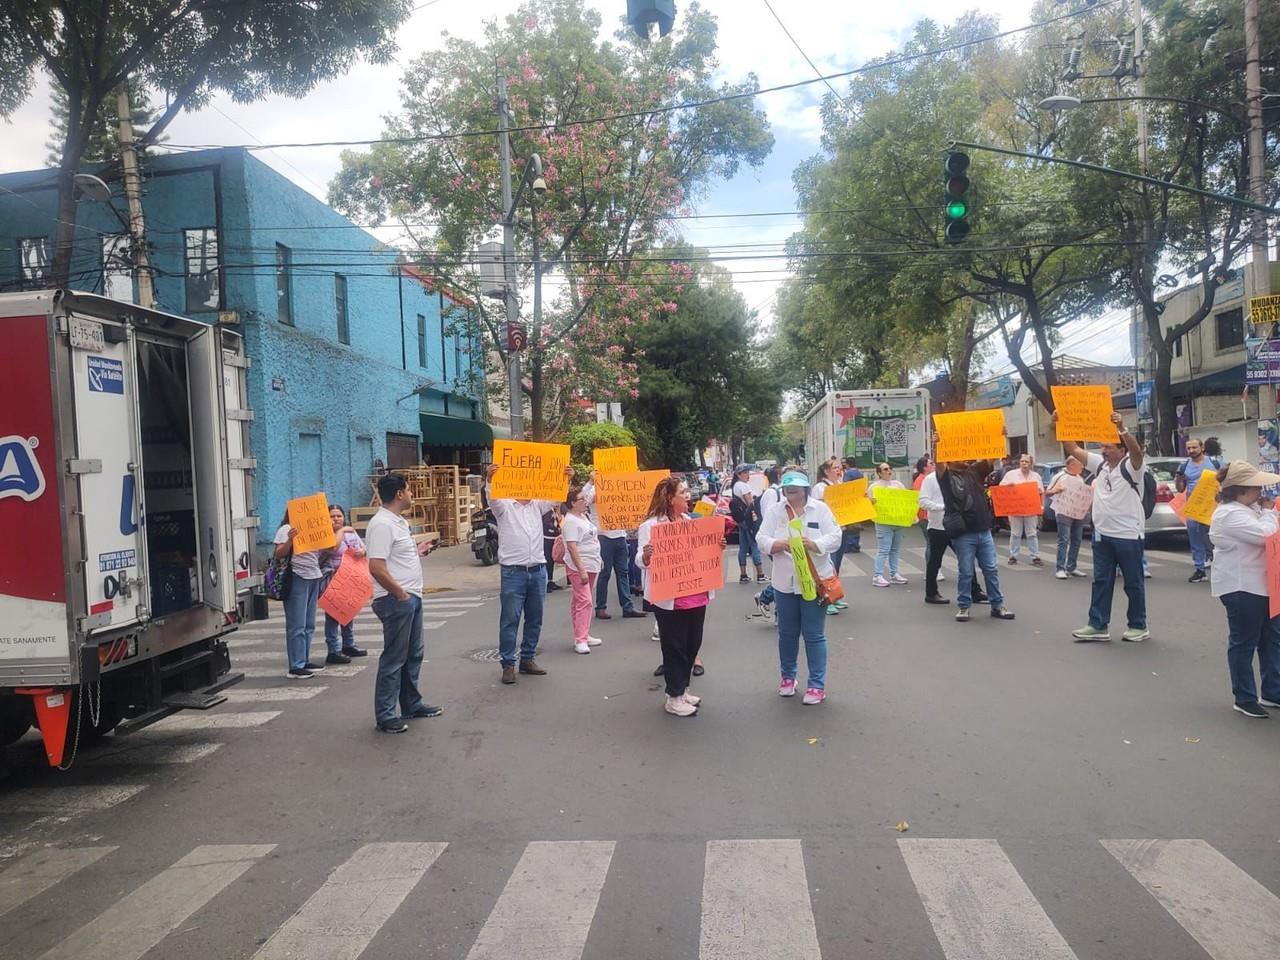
[[1084, 413], [896, 508], [1017, 500], [1273, 572], [1203, 499], [529, 471], [849, 503], [310, 517], [972, 435], [687, 558], [349, 590], [615, 459], [1074, 501], [623, 498]]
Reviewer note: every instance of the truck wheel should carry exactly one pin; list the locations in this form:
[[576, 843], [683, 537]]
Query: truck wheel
[[12, 730]]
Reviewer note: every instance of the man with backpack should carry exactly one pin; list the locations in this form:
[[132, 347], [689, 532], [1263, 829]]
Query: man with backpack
[[743, 509], [1123, 497], [1185, 481]]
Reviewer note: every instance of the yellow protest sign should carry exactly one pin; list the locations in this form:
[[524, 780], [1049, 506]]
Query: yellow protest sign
[[615, 459], [622, 499], [1203, 500], [529, 471], [1084, 413], [704, 508], [310, 517], [800, 560], [896, 508], [849, 503], [971, 435]]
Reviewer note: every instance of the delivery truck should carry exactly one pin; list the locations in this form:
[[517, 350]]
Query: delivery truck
[[127, 508], [871, 426]]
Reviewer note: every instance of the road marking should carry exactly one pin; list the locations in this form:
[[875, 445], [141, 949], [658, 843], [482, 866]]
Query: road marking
[[153, 754], [755, 902], [1228, 912], [273, 694], [63, 803], [340, 918], [255, 673], [979, 906], [142, 919], [193, 720], [38, 871], [546, 908]]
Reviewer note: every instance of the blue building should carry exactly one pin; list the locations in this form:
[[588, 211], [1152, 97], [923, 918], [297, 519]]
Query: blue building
[[357, 359]]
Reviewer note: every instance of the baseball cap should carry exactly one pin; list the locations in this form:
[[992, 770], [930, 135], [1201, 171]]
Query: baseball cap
[[1241, 473], [794, 479], [744, 468]]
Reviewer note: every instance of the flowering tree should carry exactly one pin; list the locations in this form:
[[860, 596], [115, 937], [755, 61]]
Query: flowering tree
[[619, 163]]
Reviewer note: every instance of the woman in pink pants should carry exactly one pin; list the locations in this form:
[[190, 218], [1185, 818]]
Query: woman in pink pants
[[582, 561]]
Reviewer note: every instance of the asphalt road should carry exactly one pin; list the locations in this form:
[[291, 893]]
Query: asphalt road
[[1056, 800]]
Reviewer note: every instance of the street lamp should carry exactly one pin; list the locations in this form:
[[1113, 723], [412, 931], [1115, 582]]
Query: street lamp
[[1061, 103]]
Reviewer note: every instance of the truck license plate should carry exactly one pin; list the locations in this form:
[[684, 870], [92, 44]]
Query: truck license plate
[[87, 335]]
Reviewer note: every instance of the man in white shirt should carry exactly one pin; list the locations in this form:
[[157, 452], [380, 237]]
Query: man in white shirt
[[1119, 523], [397, 600], [524, 578]]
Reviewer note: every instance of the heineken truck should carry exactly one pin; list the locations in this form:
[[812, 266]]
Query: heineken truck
[[871, 426]]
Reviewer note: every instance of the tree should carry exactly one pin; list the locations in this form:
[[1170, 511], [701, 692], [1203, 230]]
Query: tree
[[103, 145], [189, 49], [612, 184]]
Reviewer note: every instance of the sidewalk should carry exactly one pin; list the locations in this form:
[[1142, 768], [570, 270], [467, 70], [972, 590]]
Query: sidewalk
[[456, 568]]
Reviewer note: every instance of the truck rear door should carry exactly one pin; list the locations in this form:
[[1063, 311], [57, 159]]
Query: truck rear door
[[240, 461]]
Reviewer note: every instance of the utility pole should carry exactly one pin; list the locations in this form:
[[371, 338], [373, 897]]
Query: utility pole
[[1142, 360], [1253, 95], [514, 380], [133, 194]]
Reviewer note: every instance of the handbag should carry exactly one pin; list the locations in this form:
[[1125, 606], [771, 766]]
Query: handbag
[[558, 549], [277, 578]]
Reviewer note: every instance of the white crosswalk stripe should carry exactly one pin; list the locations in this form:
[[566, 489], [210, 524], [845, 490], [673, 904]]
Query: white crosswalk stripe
[[36, 872], [213, 720], [755, 902], [149, 754], [273, 694], [329, 673], [63, 803]]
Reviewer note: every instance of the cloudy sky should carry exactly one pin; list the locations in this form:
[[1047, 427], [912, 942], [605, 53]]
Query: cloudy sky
[[836, 34]]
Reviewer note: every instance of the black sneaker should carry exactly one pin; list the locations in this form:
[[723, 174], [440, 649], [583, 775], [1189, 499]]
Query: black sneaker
[[354, 652], [1001, 613], [426, 712], [299, 675], [936, 599], [1252, 710], [337, 658], [743, 578], [1198, 577], [633, 614], [314, 667], [394, 725]]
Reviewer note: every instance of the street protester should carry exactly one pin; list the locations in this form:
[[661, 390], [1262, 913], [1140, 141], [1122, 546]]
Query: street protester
[[680, 620], [1184, 481], [582, 561], [800, 526], [742, 507], [305, 578], [888, 536], [771, 498], [615, 561], [852, 540], [348, 542], [1239, 531], [396, 566], [551, 533], [1024, 527], [524, 577], [1070, 529], [831, 472], [968, 520], [1119, 522], [939, 541], [924, 468]]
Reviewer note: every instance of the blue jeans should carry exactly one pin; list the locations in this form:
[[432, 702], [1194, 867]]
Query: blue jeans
[[1070, 532], [1110, 554], [300, 620], [523, 591], [332, 628], [1250, 628], [401, 659], [615, 559], [747, 546], [767, 595], [1198, 537], [979, 548], [888, 544], [797, 616]]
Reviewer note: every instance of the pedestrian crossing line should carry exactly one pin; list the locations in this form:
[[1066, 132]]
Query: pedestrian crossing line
[[979, 906], [152, 754], [755, 902], [329, 673], [1228, 912], [546, 908], [273, 694], [146, 916], [65, 802], [343, 916], [36, 872], [203, 720]]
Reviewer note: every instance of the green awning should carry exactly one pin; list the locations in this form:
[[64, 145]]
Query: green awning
[[441, 431]]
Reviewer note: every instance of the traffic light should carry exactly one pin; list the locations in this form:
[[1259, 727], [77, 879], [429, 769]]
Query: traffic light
[[956, 211]]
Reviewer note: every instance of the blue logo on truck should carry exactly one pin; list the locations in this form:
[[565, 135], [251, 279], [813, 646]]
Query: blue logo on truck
[[20, 474], [106, 375]]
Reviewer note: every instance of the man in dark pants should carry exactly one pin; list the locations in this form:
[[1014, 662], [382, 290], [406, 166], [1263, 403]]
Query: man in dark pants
[[967, 520]]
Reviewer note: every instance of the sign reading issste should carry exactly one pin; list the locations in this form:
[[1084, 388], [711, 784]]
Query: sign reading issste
[[687, 558]]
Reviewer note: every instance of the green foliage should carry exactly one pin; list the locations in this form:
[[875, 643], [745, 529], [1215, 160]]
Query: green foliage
[[585, 437]]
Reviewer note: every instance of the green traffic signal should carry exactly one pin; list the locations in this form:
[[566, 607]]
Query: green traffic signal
[[957, 209], [955, 205]]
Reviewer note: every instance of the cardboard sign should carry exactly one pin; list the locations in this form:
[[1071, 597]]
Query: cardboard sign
[[1273, 572], [622, 499], [1203, 500], [1073, 502], [972, 435], [704, 507], [349, 590], [529, 471], [310, 517], [1017, 500], [800, 560], [687, 558], [1084, 413], [615, 459], [758, 482], [896, 508], [1179, 505], [849, 503]]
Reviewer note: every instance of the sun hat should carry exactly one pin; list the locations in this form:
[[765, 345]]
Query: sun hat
[[794, 479], [1242, 473]]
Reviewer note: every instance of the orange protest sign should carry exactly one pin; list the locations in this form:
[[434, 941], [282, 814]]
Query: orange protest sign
[[849, 503], [622, 499], [1084, 413], [349, 590], [615, 459], [1203, 500], [687, 558], [1017, 500], [1179, 505], [310, 517], [971, 435], [1273, 572], [529, 471]]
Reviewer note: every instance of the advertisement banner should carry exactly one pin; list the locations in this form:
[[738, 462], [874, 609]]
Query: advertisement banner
[[1145, 395], [1262, 361]]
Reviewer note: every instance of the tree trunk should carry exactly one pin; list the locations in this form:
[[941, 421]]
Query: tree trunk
[[73, 147]]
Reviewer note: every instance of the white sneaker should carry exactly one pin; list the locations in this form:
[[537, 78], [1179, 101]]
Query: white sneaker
[[594, 641], [940, 576], [680, 707], [1061, 574], [690, 699], [654, 635], [879, 582], [581, 648], [897, 579]]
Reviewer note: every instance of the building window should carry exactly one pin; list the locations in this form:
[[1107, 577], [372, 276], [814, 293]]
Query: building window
[[204, 292], [284, 295], [117, 268], [1230, 324], [422, 341], [340, 304], [33, 254]]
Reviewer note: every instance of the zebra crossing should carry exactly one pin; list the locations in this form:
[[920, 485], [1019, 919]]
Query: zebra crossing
[[756, 901], [912, 561]]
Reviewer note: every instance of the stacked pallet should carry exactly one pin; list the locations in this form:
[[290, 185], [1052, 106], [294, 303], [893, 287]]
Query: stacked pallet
[[442, 503]]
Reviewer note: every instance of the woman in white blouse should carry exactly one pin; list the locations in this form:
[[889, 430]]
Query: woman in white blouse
[[582, 561], [1241, 525]]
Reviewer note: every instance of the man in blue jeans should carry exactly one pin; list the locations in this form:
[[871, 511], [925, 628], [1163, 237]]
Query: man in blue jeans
[[1185, 481], [396, 567], [967, 518]]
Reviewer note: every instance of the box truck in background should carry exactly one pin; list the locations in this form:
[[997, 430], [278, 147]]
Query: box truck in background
[[871, 426]]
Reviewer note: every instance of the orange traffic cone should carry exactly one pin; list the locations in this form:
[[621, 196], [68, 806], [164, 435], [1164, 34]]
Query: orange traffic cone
[[53, 713]]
